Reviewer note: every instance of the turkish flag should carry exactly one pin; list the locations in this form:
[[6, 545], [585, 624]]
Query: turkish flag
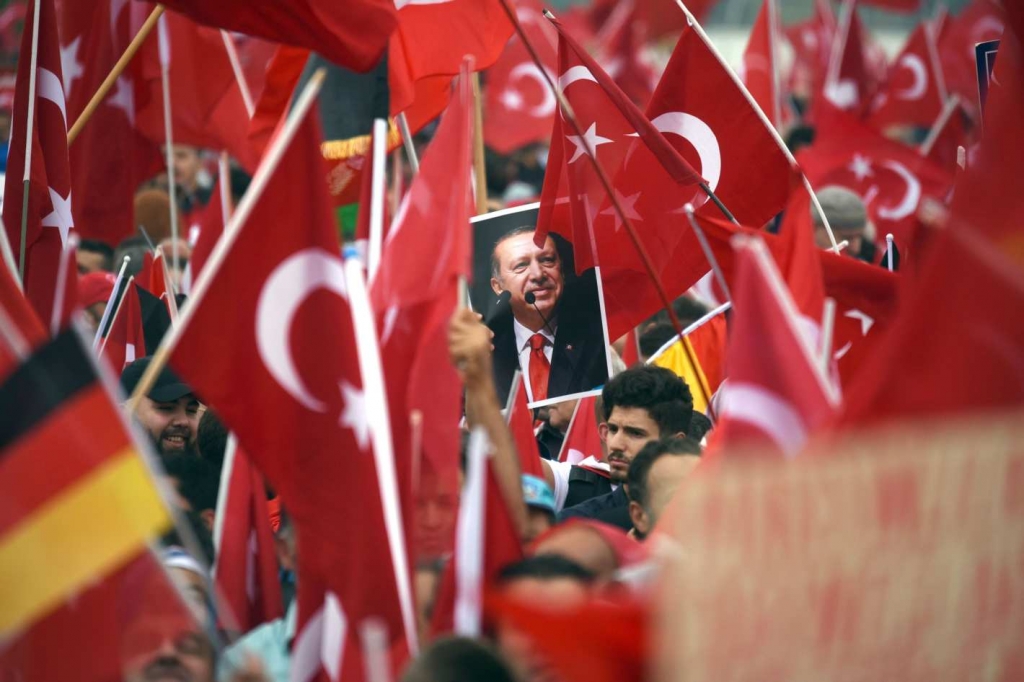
[[209, 228], [282, 75], [207, 107], [777, 393], [582, 439], [760, 67], [520, 423], [109, 158], [433, 37], [125, 341], [246, 568], [890, 177], [916, 91], [50, 217], [980, 21], [518, 104], [943, 143], [21, 316], [652, 181], [414, 297], [622, 55], [260, 320], [812, 48], [352, 34], [799, 262], [849, 84]]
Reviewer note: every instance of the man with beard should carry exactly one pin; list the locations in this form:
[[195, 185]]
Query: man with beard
[[641, 405], [169, 413]]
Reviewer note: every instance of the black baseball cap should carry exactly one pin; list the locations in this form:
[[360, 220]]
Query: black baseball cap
[[166, 388]]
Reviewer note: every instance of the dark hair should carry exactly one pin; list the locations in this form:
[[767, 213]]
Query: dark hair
[[665, 396], [514, 232], [102, 248], [640, 467], [212, 439], [458, 659], [688, 310], [545, 566], [202, 535], [699, 426], [198, 482], [654, 337]]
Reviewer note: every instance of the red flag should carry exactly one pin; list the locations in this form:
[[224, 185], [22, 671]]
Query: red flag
[[518, 105], [281, 77], [126, 340], [246, 567], [622, 55], [352, 34], [776, 394], [207, 108], [812, 42], [980, 21], [890, 177], [520, 423], [49, 212], [656, 19], [950, 132], [19, 314], [209, 227], [583, 439], [798, 259], [649, 175], [432, 38], [631, 349], [110, 158], [260, 319], [760, 69], [848, 83], [916, 90], [905, 6]]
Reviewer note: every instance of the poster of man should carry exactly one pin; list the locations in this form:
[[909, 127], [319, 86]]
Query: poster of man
[[548, 322]]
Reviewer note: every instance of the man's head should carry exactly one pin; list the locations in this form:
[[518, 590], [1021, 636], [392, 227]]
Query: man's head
[[197, 483], [458, 659], [846, 216], [187, 165], [540, 506], [520, 267], [654, 475], [94, 256], [169, 413], [641, 405]]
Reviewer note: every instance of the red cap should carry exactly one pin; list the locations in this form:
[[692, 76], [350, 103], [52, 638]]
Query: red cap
[[95, 287]]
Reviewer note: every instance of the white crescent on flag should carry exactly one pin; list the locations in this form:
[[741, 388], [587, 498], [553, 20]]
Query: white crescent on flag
[[530, 70], [701, 136], [910, 200], [915, 65]]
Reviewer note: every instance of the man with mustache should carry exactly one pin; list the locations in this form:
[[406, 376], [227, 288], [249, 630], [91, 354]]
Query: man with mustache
[[550, 328], [169, 413]]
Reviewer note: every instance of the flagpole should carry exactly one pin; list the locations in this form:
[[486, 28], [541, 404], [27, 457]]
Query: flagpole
[[570, 116], [107, 312], [838, 45], [933, 135], [12, 337], [888, 251], [689, 330], [236, 67], [108, 83], [113, 318], [8, 255], [708, 253], [62, 282], [774, 34], [223, 489], [267, 167], [164, 43], [764, 121], [29, 134], [828, 325], [378, 159], [479, 168], [410, 148]]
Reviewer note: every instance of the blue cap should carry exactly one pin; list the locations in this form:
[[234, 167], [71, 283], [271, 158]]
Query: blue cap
[[537, 493]]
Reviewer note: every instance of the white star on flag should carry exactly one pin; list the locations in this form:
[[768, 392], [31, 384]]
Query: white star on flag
[[124, 99], [590, 139], [69, 64], [860, 167], [628, 206], [60, 216], [354, 415], [866, 321], [512, 99]]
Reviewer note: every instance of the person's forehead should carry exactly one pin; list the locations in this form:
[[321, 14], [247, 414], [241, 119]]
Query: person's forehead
[[637, 417], [520, 245], [186, 400]]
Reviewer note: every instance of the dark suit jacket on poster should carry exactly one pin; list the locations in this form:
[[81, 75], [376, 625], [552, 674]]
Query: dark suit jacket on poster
[[578, 358]]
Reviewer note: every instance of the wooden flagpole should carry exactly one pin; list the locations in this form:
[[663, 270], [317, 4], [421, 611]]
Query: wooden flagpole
[[165, 82], [236, 67], [29, 134], [66, 250], [479, 169], [115, 73]]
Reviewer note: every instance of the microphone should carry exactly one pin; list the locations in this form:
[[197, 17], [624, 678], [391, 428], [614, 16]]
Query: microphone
[[531, 299]]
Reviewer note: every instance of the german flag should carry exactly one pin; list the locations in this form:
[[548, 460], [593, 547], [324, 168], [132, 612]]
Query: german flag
[[706, 345], [76, 499]]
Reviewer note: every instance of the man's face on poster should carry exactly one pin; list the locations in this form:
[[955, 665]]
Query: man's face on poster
[[521, 268]]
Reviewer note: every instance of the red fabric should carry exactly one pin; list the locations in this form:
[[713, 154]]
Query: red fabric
[[890, 177], [850, 85], [110, 158], [760, 70], [210, 227], [207, 109], [280, 78], [432, 39], [777, 394], [95, 287], [812, 42], [352, 33], [798, 258], [414, 297], [631, 349], [980, 21], [246, 569], [622, 55], [274, 302], [50, 191], [651, 178], [955, 133], [22, 317], [916, 91], [125, 342], [520, 423], [518, 105], [656, 19], [583, 439]]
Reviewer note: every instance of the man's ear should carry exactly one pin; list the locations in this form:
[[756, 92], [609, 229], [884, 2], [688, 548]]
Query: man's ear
[[638, 517], [496, 286]]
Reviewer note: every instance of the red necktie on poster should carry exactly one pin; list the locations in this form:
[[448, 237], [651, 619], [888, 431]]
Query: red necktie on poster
[[540, 368]]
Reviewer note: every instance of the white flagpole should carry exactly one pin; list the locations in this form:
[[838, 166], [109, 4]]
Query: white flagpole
[[470, 540], [117, 311], [828, 325], [888, 251], [378, 160], [940, 123], [165, 81], [11, 336], [62, 282], [29, 134], [933, 54], [689, 330], [223, 490], [835, 62], [708, 253], [410, 148], [8, 255], [236, 66], [764, 121], [376, 404], [107, 312], [373, 640]]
